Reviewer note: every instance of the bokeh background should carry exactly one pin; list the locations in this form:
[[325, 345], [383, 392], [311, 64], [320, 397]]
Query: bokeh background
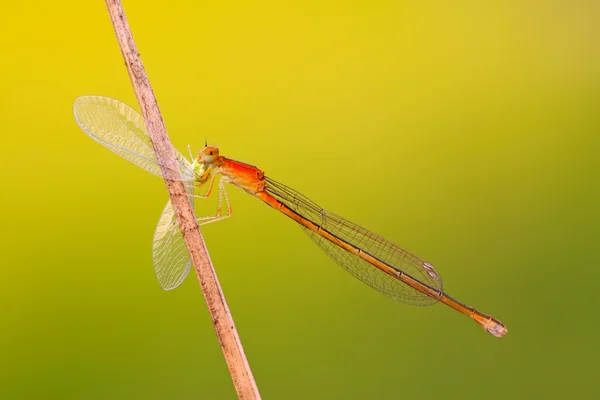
[[466, 132]]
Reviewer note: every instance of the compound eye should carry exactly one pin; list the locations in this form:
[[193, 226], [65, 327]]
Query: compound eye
[[210, 154]]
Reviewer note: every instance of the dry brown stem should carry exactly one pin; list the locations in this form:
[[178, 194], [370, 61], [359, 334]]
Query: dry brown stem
[[221, 317]]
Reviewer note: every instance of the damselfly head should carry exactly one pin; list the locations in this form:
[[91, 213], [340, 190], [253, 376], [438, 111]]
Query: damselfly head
[[208, 155]]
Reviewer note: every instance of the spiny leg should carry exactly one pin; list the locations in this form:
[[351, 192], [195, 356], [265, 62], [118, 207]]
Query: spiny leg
[[218, 216], [208, 189]]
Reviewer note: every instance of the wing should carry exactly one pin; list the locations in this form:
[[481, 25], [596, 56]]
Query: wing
[[169, 253], [368, 242], [122, 130]]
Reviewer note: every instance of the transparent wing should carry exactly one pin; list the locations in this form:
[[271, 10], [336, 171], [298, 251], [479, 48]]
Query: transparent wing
[[169, 253], [368, 242], [121, 129]]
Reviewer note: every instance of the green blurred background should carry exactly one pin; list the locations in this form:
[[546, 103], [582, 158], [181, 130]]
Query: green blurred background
[[465, 132]]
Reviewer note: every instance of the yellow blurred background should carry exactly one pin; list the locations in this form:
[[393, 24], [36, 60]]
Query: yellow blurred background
[[465, 132]]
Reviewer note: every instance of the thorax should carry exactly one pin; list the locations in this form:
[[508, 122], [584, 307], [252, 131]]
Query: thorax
[[245, 176]]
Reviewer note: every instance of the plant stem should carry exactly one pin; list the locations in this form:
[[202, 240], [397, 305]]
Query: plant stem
[[221, 317]]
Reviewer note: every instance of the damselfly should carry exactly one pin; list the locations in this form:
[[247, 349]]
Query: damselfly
[[374, 260]]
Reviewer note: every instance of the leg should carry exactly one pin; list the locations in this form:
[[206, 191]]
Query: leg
[[219, 215], [208, 190]]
